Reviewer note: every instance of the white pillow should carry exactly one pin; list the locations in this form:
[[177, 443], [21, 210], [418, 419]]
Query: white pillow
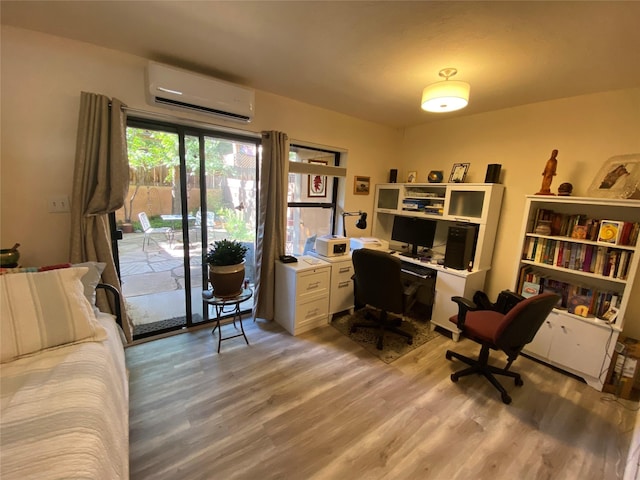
[[91, 279], [43, 310]]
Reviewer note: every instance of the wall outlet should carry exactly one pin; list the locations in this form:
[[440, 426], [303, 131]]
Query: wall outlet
[[59, 204]]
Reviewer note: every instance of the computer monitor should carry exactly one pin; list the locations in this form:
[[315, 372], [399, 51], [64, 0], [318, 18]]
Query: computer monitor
[[417, 232]]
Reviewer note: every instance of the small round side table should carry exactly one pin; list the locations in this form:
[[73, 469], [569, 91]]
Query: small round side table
[[219, 303]]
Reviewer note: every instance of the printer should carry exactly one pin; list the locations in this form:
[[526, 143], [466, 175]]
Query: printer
[[369, 242], [332, 245]]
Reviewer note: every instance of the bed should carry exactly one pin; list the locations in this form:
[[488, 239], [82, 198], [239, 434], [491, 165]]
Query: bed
[[64, 407]]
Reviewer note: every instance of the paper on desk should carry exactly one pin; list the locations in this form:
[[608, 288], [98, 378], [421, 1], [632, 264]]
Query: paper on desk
[[311, 260]]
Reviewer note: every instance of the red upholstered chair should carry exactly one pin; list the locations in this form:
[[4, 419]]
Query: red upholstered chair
[[495, 330]]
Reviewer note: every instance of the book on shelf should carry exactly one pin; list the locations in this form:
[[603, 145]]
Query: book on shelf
[[557, 287], [611, 315], [579, 231], [529, 289], [579, 304]]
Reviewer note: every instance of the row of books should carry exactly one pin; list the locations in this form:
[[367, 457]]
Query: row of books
[[584, 227], [601, 260], [576, 299]]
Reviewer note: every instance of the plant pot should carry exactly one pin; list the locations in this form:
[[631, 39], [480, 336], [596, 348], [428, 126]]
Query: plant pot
[[226, 280], [126, 228]]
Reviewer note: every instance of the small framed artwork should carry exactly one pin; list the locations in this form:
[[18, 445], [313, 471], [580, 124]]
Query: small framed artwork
[[411, 177], [361, 185], [458, 172], [610, 231], [619, 177], [317, 183]]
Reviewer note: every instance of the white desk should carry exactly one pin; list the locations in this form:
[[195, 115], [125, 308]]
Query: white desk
[[449, 283]]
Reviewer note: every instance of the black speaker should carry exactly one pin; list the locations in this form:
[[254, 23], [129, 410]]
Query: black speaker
[[393, 175], [493, 173], [460, 245]]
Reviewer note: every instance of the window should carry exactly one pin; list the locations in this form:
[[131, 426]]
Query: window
[[311, 199]]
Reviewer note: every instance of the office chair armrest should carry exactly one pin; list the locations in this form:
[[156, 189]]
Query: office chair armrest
[[464, 305]]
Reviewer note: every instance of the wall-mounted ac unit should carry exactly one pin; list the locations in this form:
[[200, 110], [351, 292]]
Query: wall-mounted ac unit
[[179, 89]]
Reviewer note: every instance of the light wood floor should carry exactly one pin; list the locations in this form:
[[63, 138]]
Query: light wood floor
[[318, 406]]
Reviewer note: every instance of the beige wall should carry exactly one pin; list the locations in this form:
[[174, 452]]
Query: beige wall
[[586, 130], [42, 77]]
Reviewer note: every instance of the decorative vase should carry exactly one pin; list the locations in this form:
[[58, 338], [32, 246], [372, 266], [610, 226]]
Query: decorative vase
[[435, 176], [226, 280]]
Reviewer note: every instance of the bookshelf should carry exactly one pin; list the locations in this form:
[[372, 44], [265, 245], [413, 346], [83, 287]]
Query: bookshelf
[[584, 249]]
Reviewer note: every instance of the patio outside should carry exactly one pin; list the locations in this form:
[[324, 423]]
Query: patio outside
[[153, 281]]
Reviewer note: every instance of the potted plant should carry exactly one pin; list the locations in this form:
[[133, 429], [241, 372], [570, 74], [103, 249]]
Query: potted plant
[[226, 267]]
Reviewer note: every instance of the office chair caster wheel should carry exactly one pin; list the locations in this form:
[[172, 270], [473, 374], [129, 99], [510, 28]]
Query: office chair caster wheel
[[409, 341], [506, 399], [379, 344], [448, 355], [518, 382], [454, 378]]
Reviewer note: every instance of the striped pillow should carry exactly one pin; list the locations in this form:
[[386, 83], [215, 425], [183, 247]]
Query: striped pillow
[[43, 310]]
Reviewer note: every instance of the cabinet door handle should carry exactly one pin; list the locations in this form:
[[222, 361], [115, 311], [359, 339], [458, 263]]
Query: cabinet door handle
[[344, 284], [313, 285], [344, 269], [311, 313]]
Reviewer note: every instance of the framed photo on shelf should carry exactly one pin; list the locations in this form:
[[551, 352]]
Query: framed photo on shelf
[[610, 231], [412, 177], [458, 172], [361, 185], [317, 183]]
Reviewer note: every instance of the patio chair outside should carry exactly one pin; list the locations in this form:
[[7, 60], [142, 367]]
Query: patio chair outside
[[149, 231]]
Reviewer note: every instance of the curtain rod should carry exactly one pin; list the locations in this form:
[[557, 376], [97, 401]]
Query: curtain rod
[[187, 121], [150, 115]]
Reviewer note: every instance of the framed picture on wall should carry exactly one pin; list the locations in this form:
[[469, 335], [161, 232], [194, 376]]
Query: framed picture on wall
[[317, 183], [361, 185], [619, 177], [458, 172], [412, 177]]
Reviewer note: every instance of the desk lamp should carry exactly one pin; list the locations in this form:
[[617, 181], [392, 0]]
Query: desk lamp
[[361, 223]]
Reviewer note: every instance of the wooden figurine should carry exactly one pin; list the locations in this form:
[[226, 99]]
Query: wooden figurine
[[548, 174]]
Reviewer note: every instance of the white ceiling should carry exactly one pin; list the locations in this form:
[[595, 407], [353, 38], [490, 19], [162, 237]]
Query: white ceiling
[[368, 59]]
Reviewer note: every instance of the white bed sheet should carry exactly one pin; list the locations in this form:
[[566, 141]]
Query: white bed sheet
[[64, 413]]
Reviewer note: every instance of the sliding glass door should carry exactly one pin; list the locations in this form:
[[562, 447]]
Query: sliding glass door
[[189, 187]]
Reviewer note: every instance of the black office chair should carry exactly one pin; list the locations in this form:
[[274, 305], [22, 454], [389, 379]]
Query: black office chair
[[496, 330], [377, 283]]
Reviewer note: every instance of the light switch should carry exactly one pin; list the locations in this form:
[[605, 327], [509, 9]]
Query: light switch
[[59, 204]]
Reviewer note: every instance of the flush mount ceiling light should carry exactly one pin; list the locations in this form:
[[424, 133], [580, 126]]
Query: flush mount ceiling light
[[446, 96]]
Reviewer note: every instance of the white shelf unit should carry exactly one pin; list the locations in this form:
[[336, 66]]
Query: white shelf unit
[[449, 204], [577, 344]]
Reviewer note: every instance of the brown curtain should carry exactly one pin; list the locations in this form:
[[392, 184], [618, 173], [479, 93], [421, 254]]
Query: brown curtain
[[272, 219], [100, 184]]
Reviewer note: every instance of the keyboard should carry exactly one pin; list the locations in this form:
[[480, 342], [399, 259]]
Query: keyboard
[[416, 270]]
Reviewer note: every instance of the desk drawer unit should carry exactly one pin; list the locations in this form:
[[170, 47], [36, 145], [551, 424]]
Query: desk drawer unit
[[302, 295], [341, 287]]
